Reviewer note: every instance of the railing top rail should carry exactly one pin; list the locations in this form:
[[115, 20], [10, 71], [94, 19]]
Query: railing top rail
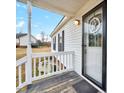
[[21, 61], [51, 53]]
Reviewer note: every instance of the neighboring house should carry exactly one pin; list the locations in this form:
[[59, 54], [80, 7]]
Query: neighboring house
[[22, 39]]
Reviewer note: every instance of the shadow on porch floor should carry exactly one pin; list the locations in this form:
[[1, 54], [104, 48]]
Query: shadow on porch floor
[[67, 82]]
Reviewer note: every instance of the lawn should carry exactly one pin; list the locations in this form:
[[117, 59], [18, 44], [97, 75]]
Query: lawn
[[21, 52]]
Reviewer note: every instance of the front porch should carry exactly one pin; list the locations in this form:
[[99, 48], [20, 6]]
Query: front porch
[[64, 72], [51, 73], [66, 82], [42, 65]]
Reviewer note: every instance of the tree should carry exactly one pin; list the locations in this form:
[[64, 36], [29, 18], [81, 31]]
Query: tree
[[47, 38], [42, 36], [39, 42]]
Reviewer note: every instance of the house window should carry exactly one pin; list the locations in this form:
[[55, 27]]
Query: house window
[[61, 41], [54, 43]]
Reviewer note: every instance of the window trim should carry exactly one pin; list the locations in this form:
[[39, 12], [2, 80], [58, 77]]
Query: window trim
[[54, 43], [61, 45]]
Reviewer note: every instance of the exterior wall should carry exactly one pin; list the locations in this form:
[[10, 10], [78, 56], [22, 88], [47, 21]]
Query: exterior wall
[[73, 35], [24, 40], [17, 41]]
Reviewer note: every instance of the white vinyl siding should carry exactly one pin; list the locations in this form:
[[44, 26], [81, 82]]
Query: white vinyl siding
[[72, 42], [17, 41], [73, 35]]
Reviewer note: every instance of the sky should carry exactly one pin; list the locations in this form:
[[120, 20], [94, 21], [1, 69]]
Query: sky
[[42, 20]]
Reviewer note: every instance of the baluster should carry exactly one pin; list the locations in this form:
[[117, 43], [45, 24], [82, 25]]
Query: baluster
[[44, 65], [34, 67], [63, 62], [40, 66], [69, 61], [60, 62], [48, 64], [71, 64], [20, 77], [66, 61], [53, 64], [72, 60], [56, 63]]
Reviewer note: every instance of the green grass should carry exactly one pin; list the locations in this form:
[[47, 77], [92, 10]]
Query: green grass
[[21, 52]]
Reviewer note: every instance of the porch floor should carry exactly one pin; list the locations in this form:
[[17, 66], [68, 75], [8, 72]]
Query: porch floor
[[67, 82]]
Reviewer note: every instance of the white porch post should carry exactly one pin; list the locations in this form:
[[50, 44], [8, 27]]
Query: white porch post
[[29, 50]]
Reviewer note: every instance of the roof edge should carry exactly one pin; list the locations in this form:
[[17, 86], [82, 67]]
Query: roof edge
[[26, 35], [64, 20]]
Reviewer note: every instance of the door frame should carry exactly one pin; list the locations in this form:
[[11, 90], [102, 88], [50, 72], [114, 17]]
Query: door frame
[[104, 48]]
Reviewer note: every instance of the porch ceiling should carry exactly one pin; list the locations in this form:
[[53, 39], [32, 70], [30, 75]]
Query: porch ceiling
[[64, 7]]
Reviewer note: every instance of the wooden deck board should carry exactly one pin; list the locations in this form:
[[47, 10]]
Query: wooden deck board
[[67, 82]]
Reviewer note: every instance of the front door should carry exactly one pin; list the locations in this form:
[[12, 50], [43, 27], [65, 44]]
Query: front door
[[93, 45]]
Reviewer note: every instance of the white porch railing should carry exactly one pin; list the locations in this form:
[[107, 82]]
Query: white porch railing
[[44, 65], [21, 73]]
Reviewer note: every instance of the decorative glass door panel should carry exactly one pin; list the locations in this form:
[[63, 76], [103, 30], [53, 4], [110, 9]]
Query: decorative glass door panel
[[93, 41]]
